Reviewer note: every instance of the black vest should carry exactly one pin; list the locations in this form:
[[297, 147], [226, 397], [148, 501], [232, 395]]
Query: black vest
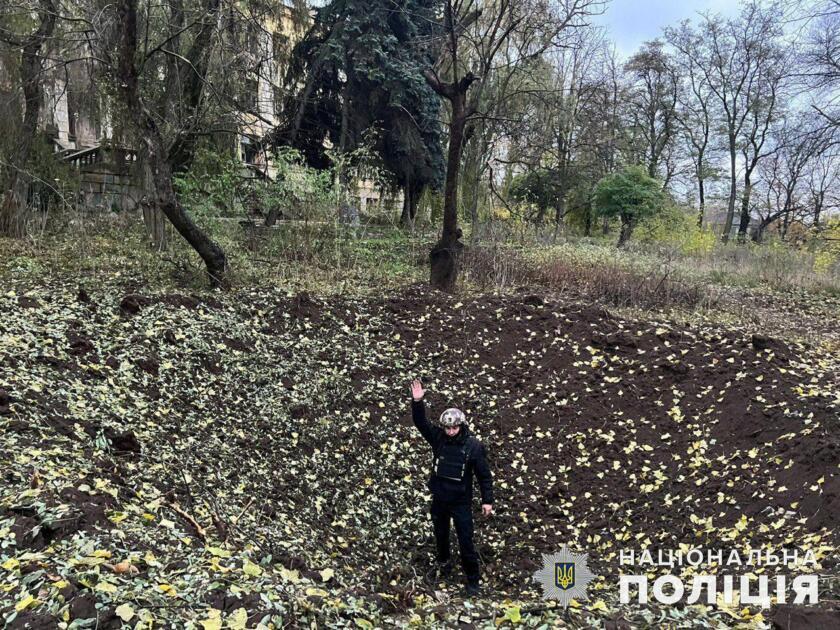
[[451, 460]]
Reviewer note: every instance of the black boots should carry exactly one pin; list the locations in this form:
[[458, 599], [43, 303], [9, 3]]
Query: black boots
[[441, 570], [473, 590]]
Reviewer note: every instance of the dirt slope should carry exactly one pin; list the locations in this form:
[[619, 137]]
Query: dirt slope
[[251, 456]]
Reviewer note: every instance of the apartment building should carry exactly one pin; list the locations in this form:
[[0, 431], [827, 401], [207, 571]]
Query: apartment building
[[75, 118]]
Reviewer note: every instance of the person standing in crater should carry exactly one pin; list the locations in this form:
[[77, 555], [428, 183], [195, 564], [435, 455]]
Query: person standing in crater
[[457, 455]]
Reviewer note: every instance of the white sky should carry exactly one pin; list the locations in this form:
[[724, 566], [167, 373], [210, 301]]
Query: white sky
[[629, 23]]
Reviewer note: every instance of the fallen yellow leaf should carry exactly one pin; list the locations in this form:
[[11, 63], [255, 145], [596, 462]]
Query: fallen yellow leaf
[[27, 601]]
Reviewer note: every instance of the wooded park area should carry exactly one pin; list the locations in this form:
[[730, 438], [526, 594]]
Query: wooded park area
[[242, 240]]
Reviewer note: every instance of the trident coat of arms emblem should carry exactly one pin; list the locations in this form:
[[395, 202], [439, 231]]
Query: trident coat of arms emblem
[[564, 576]]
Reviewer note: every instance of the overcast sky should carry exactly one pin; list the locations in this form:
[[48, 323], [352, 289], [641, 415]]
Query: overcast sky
[[632, 22]]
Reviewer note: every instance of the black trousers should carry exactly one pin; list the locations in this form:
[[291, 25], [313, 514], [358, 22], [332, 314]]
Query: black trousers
[[442, 513]]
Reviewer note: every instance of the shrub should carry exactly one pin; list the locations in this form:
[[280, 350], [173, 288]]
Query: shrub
[[677, 227], [631, 195], [826, 245], [213, 185], [297, 190]]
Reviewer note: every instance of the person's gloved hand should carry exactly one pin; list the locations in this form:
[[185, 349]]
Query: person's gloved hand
[[417, 389]]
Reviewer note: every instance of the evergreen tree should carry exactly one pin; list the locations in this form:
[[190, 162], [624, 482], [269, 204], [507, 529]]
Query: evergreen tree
[[358, 68]]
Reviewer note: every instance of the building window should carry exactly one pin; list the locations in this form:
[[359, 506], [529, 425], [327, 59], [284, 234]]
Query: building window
[[71, 126], [279, 46], [250, 151], [250, 96], [277, 95]]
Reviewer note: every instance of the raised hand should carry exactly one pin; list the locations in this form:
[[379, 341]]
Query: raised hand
[[417, 389]]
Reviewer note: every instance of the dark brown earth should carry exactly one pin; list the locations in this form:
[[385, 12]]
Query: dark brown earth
[[603, 433]]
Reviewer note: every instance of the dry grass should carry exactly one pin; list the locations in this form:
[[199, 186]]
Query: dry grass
[[608, 284], [772, 288]]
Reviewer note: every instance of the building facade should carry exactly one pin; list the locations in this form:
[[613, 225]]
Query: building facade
[[74, 117]]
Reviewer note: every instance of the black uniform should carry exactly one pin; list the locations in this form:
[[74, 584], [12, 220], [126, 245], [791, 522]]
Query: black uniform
[[455, 460]]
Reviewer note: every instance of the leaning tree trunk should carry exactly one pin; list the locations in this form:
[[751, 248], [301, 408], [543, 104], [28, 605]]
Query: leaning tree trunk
[[156, 153], [211, 253], [14, 186]]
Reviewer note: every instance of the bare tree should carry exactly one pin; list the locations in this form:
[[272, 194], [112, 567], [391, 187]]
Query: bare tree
[[823, 182], [33, 49], [763, 109], [652, 105], [164, 160], [735, 57], [796, 174], [535, 126], [472, 34], [600, 136], [820, 58], [574, 96], [190, 73], [694, 113]]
